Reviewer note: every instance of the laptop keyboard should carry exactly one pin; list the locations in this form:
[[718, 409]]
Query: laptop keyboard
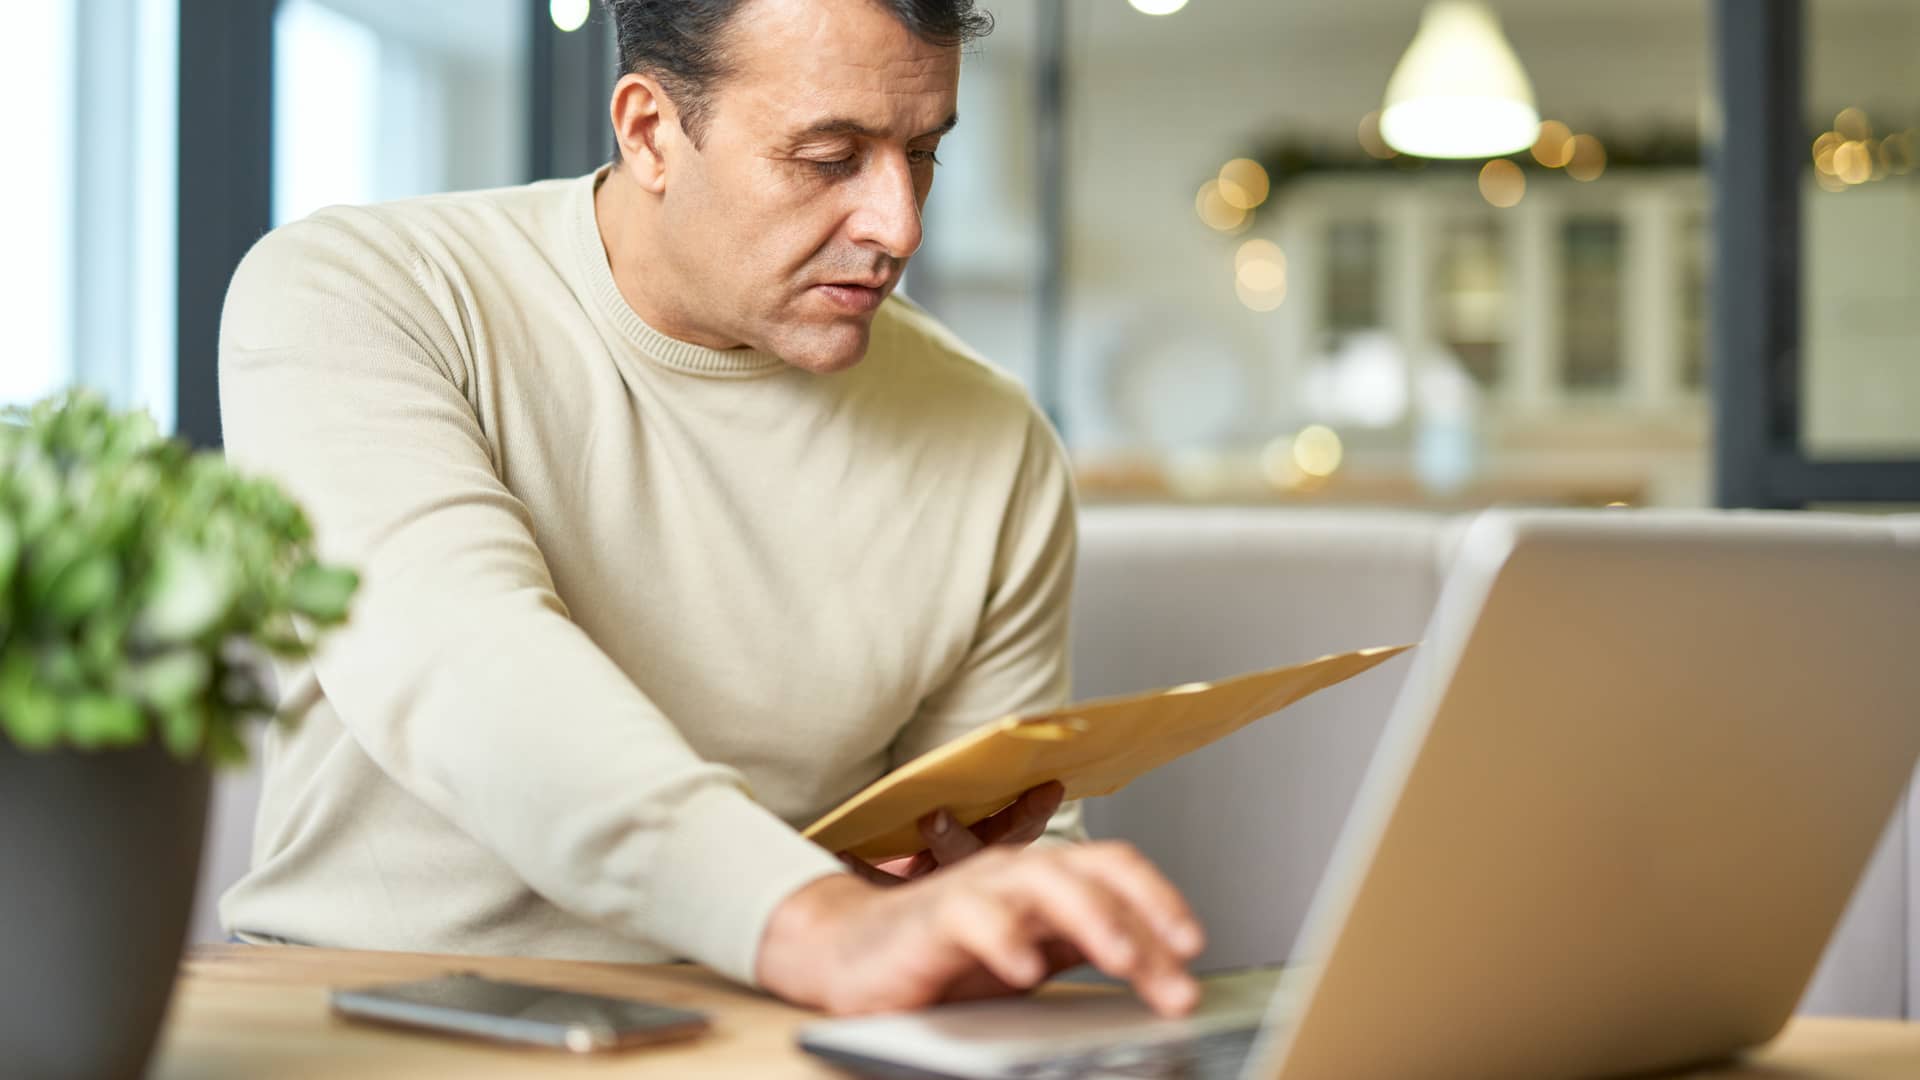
[[1217, 1056]]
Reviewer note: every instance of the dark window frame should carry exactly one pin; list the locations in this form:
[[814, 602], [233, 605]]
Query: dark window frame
[[570, 76], [1757, 168], [225, 176]]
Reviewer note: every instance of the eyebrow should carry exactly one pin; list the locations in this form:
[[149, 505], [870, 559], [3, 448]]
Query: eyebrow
[[849, 126]]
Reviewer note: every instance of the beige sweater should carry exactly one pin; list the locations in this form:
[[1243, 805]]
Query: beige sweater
[[632, 609]]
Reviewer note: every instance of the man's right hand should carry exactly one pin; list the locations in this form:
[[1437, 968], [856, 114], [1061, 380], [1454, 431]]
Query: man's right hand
[[1001, 922]]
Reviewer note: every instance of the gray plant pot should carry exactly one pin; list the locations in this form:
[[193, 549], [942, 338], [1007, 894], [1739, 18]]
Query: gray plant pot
[[98, 857]]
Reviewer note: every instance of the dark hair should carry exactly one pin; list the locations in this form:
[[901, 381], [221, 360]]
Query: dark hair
[[682, 42]]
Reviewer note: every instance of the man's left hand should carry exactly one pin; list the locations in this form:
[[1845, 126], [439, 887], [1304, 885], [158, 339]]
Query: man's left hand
[[947, 843]]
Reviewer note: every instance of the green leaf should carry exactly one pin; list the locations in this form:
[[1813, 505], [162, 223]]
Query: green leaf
[[36, 491], [9, 548], [173, 680], [183, 730], [82, 587], [60, 670], [191, 591], [30, 715], [49, 556], [224, 745], [322, 593], [103, 643], [102, 722]]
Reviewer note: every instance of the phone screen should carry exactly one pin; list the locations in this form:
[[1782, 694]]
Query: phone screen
[[470, 1004]]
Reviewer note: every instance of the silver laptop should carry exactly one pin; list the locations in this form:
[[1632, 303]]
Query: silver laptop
[[1638, 766]]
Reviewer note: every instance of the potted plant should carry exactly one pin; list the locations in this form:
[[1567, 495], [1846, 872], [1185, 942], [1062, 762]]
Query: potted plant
[[142, 588]]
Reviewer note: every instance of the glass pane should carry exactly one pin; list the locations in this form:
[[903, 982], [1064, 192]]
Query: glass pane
[[1471, 320], [1256, 283], [978, 267], [1860, 377], [153, 238], [37, 76], [1353, 276], [376, 100], [89, 268], [1696, 320], [1590, 279], [1356, 323]]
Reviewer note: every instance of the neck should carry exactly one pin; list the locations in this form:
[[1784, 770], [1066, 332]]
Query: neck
[[628, 218]]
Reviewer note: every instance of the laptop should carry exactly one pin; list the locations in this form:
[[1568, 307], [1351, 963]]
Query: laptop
[[1636, 770]]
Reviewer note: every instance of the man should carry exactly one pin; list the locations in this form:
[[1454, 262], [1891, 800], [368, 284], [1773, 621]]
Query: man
[[675, 531]]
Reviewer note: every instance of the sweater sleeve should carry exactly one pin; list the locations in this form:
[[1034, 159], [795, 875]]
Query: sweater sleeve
[[461, 674], [1019, 658]]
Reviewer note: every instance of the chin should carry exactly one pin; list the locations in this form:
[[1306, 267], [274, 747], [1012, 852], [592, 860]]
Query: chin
[[825, 353]]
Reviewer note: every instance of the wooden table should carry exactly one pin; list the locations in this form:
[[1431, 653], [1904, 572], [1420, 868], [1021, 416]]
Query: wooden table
[[245, 1012]]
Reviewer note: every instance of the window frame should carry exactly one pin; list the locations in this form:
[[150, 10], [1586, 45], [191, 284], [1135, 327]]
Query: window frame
[[1758, 334]]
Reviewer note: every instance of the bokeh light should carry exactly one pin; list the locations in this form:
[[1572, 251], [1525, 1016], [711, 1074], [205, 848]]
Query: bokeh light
[[1157, 7], [1370, 140], [1850, 155], [1587, 160], [1900, 152], [1277, 464], [1258, 250], [1853, 125], [1243, 183], [1853, 162], [1256, 298], [569, 15], [1263, 277], [1502, 183], [1260, 275], [1554, 147], [1317, 451], [1823, 149], [1218, 214]]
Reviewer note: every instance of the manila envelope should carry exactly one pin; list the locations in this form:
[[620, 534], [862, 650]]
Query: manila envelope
[[1094, 748]]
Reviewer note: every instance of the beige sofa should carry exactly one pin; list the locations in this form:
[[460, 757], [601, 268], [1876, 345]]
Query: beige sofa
[[1246, 826]]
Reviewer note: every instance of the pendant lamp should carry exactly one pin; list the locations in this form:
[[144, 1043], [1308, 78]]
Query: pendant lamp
[[1459, 92]]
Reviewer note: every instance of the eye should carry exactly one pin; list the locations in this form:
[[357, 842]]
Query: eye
[[837, 167], [923, 157]]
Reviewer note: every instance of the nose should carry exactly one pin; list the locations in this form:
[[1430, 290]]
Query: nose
[[887, 218]]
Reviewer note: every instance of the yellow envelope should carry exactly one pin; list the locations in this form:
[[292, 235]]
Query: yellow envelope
[[1094, 748]]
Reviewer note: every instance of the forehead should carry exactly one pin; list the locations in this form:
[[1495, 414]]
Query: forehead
[[795, 61]]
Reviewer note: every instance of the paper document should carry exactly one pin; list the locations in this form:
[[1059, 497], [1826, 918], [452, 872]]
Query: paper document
[[1094, 748]]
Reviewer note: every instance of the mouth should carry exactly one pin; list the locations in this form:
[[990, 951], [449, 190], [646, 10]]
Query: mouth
[[853, 297]]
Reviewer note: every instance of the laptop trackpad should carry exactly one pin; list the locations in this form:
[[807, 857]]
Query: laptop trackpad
[[988, 1038]]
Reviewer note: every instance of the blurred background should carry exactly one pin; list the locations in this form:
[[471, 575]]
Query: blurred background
[[1182, 224]]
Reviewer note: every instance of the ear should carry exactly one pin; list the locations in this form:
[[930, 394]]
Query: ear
[[644, 122]]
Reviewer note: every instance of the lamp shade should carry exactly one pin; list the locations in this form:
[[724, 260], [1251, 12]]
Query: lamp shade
[[1459, 92]]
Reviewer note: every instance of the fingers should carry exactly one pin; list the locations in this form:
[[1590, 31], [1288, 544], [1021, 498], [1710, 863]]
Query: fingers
[[1071, 903], [1023, 822], [946, 840], [1019, 825], [899, 866], [991, 930], [1128, 873], [1004, 921], [868, 872]]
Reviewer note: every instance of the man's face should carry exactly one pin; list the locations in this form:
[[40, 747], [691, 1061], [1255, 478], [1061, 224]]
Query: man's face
[[796, 216]]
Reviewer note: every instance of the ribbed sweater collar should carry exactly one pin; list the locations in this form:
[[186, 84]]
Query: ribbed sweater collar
[[664, 351]]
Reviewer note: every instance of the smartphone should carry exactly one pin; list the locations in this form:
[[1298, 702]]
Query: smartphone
[[470, 1004]]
